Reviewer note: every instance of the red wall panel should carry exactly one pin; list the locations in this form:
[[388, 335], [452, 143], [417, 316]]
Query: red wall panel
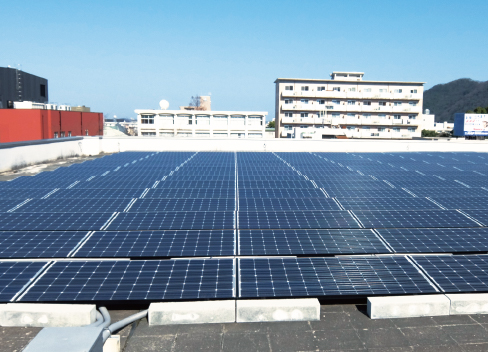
[[71, 122], [91, 121], [17, 125]]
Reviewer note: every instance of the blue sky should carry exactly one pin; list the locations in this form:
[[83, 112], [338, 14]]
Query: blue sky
[[117, 56]]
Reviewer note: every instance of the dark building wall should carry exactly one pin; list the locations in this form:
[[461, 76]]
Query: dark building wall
[[31, 87]]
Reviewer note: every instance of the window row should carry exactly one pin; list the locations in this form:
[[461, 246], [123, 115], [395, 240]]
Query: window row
[[352, 89], [355, 128], [351, 102], [337, 115]]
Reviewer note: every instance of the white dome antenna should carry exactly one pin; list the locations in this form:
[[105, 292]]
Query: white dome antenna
[[163, 104]]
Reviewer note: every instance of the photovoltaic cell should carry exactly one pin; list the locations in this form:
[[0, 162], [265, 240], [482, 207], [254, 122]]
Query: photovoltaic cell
[[190, 220], [38, 244], [309, 242], [134, 280], [387, 203], [316, 277], [436, 240], [411, 218], [53, 221], [460, 273], [188, 204], [89, 205], [15, 275], [133, 244], [480, 215], [277, 204], [297, 220]]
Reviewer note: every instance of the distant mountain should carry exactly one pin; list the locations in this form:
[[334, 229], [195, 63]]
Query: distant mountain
[[444, 100]]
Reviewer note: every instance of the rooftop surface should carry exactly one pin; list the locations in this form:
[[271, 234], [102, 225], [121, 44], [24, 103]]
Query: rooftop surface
[[342, 327]]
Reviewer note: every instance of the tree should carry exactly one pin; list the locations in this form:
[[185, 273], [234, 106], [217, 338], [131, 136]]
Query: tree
[[480, 110], [429, 133], [271, 124]]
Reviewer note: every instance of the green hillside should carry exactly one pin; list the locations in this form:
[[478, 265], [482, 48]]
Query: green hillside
[[444, 100]]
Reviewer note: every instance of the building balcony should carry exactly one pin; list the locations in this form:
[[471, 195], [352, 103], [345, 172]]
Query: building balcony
[[287, 120]]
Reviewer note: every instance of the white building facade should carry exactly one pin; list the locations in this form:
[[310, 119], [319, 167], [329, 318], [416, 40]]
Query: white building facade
[[201, 123], [346, 106]]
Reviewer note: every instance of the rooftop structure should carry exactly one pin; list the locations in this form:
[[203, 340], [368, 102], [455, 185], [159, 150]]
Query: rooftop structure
[[201, 124], [346, 105], [17, 85]]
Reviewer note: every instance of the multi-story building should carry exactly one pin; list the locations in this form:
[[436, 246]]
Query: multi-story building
[[348, 106], [201, 124]]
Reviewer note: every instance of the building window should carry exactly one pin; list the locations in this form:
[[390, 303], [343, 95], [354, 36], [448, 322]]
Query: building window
[[149, 134], [336, 102], [351, 102], [62, 135], [305, 88], [304, 114], [336, 89], [397, 103], [43, 90], [350, 115], [396, 129], [304, 101], [321, 101], [288, 127], [288, 87], [412, 103], [366, 128], [288, 114], [412, 117], [367, 103], [69, 133], [351, 128], [352, 89], [147, 119], [55, 134], [288, 101], [382, 116], [382, 103], [398, 90], [367, 90], [383, 90], [411, 129], [366, 116], [336, 115], [397, 117], [413, 91], [320, 89], [303, 126], [86, 132], [381, 129]]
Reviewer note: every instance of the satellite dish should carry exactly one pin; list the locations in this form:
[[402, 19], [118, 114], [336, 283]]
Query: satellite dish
[[163, 104]]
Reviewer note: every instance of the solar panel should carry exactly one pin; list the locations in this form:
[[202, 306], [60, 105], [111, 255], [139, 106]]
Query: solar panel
[[38, 244], [89, 205], [136, 280], [309, 242], [386, 193], [14, 276], [190, 220], [280, 193], [436, 240], [194, 193], [98, 193], [460, 273], [480, 215], [297, 220], [53, 221], [412, 218], [463, 202], [387, 203], [136, 244], [315, 277], [188, 204], [449, 192], [23, 193], [277, 204]]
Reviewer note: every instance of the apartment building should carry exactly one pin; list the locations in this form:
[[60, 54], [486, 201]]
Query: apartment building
[[201, 124], [348, 106]]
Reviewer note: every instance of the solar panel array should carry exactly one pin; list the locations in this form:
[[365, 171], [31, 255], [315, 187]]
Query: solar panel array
[[148, 226]]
